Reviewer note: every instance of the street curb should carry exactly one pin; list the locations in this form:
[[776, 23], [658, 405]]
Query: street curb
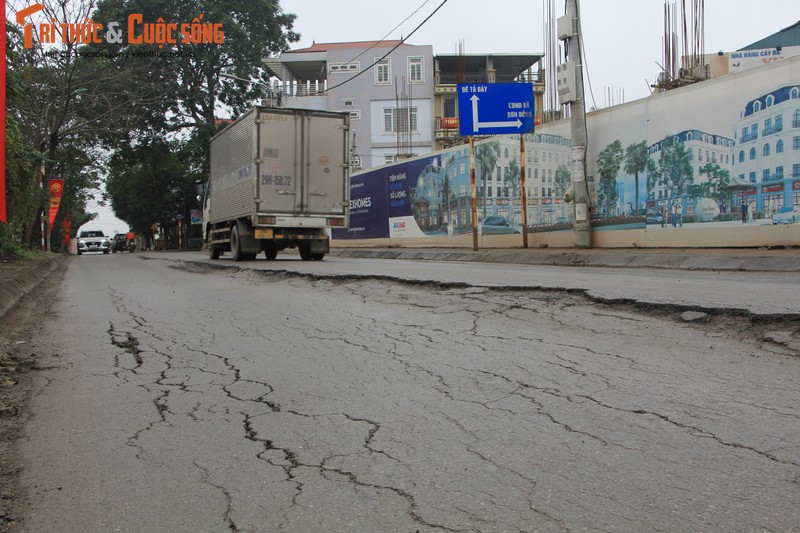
[[752, 262], [30, 275]]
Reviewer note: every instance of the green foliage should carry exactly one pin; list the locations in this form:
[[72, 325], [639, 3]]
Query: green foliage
[[609, 161], [487, 154], [562, 180], [636, 161], [674, 166], [150, 118]]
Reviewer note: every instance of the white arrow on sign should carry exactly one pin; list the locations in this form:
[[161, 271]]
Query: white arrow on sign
[[477, 125]]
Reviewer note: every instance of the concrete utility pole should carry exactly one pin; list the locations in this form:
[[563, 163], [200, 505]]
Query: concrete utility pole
[[581, 201]]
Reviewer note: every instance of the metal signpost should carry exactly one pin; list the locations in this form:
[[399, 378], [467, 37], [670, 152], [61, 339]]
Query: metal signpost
[[495, 109]]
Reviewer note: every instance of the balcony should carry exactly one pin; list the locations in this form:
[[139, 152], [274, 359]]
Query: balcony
[[777, 128], [747, 137]]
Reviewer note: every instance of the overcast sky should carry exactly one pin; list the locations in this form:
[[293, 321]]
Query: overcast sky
[[622, 38]]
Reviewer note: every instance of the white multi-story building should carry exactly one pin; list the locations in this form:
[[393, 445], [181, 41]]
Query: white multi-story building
[[767, 150], [701, 148], [387, 86]]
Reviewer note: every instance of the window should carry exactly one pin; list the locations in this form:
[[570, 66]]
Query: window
[[796, 143], [779, 123], [383, 72], [794, 94], [415, 70], [766, 150], [796, 119], [348, 102], [779, 147], [754, 131], [400, 120], [449, 106], [756, 106], [752, 153], [796, 170], [355, 115], [765, 175], [752, 177], [770, 101], [741, 156]]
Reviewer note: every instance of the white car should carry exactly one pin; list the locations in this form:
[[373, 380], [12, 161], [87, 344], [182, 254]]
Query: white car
[[93, 241], [786, 215]]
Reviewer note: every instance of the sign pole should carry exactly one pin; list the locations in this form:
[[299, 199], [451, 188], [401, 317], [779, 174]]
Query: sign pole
[[523, 192], [472, 193]]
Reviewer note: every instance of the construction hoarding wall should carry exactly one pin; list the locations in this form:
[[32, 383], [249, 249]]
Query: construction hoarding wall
[[709, 165]]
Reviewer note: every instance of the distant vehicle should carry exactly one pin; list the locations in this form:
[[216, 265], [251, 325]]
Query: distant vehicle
[[93, 241], [786, 215], [118, 244], [654, 218], [495, 225]]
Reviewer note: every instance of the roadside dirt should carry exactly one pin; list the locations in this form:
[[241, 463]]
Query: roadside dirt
[[19, 359]]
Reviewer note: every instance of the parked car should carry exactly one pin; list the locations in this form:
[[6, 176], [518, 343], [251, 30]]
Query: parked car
[[93, 241], [786, 215], [654, 218], [494, 225]]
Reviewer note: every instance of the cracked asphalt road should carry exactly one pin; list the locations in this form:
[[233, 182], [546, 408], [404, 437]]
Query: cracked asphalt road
[[189, 398]]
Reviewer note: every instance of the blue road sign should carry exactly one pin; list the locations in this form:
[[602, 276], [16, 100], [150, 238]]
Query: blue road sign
[[495, 108]]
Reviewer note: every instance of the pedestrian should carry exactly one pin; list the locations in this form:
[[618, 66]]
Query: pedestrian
[[674, 215], [744, 211], [664, 217]]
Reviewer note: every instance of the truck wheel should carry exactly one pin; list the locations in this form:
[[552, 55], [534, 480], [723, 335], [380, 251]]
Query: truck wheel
[[236, 246], [305, 252], [213, 253], [271, 254], [317, 257]]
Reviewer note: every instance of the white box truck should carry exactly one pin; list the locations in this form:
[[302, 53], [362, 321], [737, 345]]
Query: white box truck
[[279, 179]]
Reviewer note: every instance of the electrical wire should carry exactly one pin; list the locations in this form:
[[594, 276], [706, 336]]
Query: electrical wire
[[395, 47], [390, 31]]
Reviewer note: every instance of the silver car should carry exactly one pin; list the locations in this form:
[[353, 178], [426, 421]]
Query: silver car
[[93, 241], [786, 215]]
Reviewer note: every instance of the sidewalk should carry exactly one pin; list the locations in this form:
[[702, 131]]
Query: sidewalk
[[20, 277]]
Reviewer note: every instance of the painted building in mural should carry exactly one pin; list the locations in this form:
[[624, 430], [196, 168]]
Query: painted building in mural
[[702, 150], [767, 151]]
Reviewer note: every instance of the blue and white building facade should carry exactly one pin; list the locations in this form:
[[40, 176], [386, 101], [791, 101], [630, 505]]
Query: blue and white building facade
[[767, 150]]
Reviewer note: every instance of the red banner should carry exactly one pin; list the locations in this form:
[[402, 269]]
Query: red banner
[[3, 213], [56, 190]]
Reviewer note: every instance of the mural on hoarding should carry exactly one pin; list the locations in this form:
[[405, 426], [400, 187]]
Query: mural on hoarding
[[713, 155], [431, 195]]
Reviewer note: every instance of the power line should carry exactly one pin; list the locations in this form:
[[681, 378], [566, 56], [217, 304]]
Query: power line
[[395, 47], [390, 32]]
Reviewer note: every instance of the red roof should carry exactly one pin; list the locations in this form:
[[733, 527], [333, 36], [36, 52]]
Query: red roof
[[323, 47]]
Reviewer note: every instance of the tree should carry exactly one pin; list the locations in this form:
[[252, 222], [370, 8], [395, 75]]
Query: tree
[[636, 158], [148, 183], [608, 163], [186, 76], [675, 166], [487, 155], [562, 180], [718, 184]]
